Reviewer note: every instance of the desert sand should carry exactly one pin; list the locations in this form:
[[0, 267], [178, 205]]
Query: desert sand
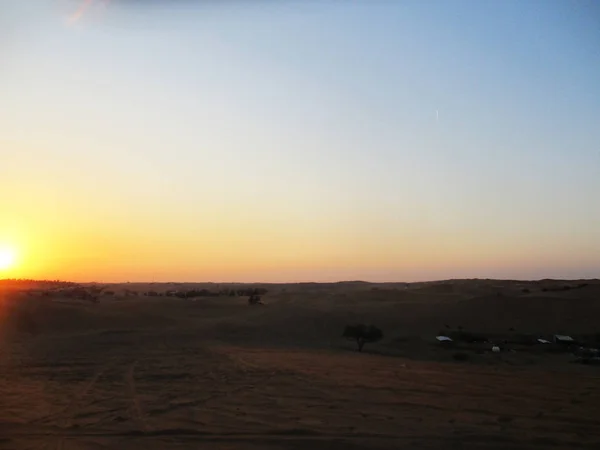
[[128, 371]]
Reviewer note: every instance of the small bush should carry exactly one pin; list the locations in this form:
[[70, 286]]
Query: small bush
[[254, 300]]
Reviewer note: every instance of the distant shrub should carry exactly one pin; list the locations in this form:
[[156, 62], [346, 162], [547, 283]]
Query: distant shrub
[[255, 300], [460, 356], [558, 288], [362, 334], [251, 291], [525, 291]]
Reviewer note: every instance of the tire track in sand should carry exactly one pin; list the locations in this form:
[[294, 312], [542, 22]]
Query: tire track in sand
[[135, 411], [64, 416]]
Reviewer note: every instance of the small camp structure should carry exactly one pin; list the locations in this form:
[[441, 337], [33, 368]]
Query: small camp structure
[[563, 339]]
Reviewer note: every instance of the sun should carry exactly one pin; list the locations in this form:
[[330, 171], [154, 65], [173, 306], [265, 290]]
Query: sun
[[7, 258]]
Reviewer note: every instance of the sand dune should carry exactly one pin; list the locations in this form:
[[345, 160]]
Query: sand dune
[[133, 372]]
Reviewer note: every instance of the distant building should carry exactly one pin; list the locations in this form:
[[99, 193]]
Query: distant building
[[563, 339]]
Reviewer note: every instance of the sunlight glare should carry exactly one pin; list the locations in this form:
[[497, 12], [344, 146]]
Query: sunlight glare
[[7, 258]]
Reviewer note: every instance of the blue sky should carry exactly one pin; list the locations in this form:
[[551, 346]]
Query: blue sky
[[376, 140]]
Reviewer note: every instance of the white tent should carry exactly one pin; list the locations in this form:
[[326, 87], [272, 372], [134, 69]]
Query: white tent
[[562, 338]]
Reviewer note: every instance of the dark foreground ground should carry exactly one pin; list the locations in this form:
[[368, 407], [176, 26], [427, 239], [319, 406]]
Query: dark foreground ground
[[129, 373]]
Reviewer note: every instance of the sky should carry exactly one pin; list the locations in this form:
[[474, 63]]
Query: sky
[[314, 140]]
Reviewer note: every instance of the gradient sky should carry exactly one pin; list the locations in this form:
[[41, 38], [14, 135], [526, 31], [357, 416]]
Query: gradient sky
[[300, 140]]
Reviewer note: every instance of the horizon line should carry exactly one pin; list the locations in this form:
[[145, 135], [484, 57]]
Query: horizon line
[[297, 282]]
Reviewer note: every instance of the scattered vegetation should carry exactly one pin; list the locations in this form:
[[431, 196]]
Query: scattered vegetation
[[254, 300], [564, 287], [193, 293], [362, 334], [23, 284]]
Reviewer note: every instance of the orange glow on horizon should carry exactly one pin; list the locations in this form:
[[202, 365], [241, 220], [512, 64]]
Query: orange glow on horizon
[[85, 235]]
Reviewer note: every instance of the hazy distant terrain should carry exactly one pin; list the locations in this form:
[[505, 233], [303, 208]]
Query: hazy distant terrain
[[126, 370]]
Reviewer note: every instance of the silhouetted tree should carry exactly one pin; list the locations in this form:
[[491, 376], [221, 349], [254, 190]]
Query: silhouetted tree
[[362, 334], [254, 300], [251, 291]]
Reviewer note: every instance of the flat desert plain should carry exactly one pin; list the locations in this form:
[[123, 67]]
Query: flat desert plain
[[129, 371]]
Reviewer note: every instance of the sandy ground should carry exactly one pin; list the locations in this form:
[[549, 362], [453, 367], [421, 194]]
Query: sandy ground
[[129, 373]]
